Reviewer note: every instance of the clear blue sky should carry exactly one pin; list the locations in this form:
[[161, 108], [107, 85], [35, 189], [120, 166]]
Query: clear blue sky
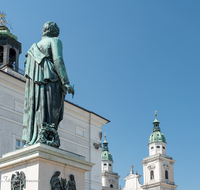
[[128, 58]]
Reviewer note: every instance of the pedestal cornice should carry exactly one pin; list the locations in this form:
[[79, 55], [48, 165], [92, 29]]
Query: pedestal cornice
[[47, 153]]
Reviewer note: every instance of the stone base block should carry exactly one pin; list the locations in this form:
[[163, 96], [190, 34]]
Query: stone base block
[[39, 163]]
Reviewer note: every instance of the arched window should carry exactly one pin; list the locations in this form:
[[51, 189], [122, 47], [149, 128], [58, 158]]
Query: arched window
[[151, 175], [1, 54], [12, 57], [111, 186], [166, 174]]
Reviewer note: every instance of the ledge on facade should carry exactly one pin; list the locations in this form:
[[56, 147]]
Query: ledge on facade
[[111, 173], [156, 184], [45, 152], [17, 73], [168, 182], [108, 188], [157, 155]]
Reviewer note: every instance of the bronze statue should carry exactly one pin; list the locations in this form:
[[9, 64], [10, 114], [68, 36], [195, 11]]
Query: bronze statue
[[47, 84], [56, 183], [71, 185]]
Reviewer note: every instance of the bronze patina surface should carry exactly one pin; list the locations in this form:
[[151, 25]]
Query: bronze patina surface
[[47, 84]]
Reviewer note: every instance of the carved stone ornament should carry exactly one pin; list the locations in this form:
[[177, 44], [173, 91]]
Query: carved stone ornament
[[18, 181], [61, 184], [165, 166], [151, 167], [96, 145], [111, 181]]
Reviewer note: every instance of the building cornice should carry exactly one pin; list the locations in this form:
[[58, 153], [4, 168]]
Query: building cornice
[[113, 174], [44, 152], [158, 157], [159, 184]]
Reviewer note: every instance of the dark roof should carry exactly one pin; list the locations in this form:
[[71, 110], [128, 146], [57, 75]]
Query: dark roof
[[86, 110]]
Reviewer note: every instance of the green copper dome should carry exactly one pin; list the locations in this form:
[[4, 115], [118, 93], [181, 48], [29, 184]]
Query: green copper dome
[[4, 31], [106, 155], [156, 136]]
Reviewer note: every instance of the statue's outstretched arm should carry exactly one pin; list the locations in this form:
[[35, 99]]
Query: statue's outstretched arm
[[59, 65], [58, 60]]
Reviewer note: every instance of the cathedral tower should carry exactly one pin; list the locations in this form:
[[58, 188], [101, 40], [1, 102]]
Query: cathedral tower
[[109, 178], [10, 49], [158, 168]]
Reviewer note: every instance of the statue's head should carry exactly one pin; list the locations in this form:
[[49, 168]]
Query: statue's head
[[71, 177], [50, 29], [57, 173]]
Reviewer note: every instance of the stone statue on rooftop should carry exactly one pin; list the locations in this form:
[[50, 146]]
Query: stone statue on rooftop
[[47, 84]]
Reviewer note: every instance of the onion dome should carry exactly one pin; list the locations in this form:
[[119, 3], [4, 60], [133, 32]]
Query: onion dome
[[156, 136], [4, 31], [106, 155]]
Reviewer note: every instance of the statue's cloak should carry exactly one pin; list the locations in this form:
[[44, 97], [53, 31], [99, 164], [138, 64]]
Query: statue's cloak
[[44, 98]]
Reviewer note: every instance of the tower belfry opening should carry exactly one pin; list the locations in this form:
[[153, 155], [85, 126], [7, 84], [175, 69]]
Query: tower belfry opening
[[1, 54], [10, 48]]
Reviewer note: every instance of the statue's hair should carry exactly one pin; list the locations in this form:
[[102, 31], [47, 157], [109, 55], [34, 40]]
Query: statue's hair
[[71, 177], [50, 29], [57, 173]]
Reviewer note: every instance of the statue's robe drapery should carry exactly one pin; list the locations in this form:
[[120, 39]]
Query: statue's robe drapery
[[45, 87]]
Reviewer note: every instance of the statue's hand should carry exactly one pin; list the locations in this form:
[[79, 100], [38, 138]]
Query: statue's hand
[[70, 89]]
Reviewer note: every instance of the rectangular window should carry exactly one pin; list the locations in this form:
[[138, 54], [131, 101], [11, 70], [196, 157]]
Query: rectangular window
[[19, 144]]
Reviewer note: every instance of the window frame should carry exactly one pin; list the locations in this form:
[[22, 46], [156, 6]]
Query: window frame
[[166, 174], [151, 175], [15, 139]]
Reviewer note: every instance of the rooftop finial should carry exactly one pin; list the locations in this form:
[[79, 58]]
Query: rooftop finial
[[105, 135], [132, 170], [156, 123], [2, 19], [155, 113]]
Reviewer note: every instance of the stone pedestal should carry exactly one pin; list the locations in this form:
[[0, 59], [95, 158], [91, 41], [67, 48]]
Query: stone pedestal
[[39, 162]]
